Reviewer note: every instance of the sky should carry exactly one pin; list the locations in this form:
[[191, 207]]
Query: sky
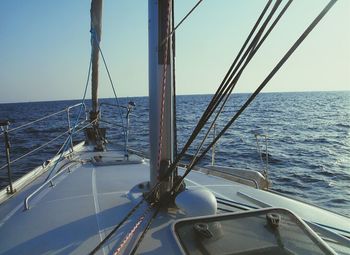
[[45, 48]]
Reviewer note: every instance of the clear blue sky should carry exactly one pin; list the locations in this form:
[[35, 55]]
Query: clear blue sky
[[45, 47]]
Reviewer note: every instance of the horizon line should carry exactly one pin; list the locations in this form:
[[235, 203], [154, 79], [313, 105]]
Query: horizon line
[[192, 94]]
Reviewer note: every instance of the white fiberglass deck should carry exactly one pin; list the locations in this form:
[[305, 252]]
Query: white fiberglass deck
[[84, 205]]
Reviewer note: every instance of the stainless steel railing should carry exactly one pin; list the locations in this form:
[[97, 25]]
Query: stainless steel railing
[[129, 108], [71, 129], [4, 125], [49, 181], [58, 172]]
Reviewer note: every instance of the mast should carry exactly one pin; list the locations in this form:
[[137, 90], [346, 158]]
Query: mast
[[160, 91], [96, 17], [95, 135]]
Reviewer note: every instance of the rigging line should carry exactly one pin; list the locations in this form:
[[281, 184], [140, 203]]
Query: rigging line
[[118, 226], [225, 89], [39, 148], [111, 123], [256, 45], [93, 33], [267, 79], [144, 232], [63, 148], [226, 96], [253, 49], [243, 47], [132, 210], [30, 123], [231, 85], [219, 90], [34, 150], [204, 119], [286, 6], [229, 72], [183, 19], [37, 120], [231, 80], [132, 231], [66, 142]]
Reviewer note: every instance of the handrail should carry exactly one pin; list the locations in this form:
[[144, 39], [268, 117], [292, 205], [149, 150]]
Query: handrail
[[69, 123], [225, 175], [76, 131], [88, 124], [58, 172], [34, 150], [115, 105], [70, 132], [26, 200], [44, 145], [111, 123], [214, 145], [265, 136], [214, 172], [47, 116], [131, 105]]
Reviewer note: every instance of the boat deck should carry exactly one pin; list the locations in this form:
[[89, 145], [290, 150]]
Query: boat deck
[[88, 201]]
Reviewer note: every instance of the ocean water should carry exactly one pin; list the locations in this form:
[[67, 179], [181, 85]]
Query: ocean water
[[308, 138]]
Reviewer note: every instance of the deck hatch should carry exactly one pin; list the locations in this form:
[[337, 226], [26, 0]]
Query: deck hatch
[[267, 231]]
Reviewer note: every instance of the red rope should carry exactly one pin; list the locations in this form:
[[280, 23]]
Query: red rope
[[122, 244], [132, 231]]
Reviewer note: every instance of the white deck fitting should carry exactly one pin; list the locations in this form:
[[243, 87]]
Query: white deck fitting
[[84, 205]]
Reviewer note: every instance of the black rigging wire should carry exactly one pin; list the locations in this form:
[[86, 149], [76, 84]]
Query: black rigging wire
[[263, 84], [183, 19], [215, 100], [228, 74], [117, 227], [225, 89], [252, 49], [110, 80], [248, 55], [155, 213]]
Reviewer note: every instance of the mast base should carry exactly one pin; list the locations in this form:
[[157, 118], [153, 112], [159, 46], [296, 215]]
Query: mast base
[[96, 136]]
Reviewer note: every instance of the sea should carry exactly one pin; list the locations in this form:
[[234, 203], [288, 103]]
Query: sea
[[307, 135]]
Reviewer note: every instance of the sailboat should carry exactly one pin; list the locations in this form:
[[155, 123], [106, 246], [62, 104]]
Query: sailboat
[[92, 198]]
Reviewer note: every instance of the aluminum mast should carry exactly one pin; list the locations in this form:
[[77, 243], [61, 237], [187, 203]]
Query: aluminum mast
[[161, 102]]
